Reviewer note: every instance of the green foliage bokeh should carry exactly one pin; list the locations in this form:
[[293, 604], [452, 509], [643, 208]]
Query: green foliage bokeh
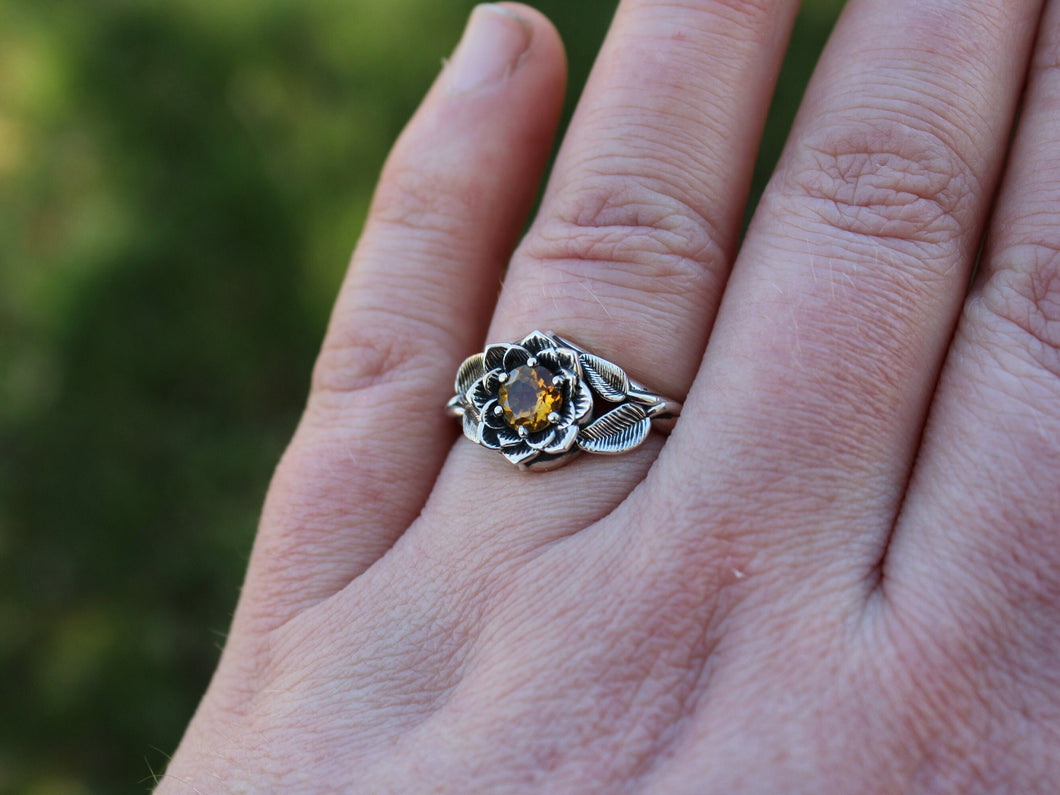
[[181, 183]]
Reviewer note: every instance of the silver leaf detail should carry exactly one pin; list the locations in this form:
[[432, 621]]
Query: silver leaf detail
[[608, 380], [470, 371], [617, 431], [471, 426]]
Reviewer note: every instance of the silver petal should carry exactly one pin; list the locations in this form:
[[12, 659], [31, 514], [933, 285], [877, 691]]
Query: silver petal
[[568, 360], [548, 359], [470, 371], [487, 437], [617, 431], [515, 357], [493, 420], [577, 403], [583, 402], [541, 439], [564, 440], [471, 426], [484, 390], [520, 454], [560, 360], [537, 341], [493, 358], [507, 437]]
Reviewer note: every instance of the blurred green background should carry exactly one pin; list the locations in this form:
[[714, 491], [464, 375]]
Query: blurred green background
[[181, 183]]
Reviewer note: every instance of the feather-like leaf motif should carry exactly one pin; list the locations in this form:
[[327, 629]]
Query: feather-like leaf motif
[[617, 431], [608, 380], [470, 371]]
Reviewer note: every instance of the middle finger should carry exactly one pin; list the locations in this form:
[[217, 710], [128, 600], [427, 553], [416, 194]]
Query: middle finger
[[808, 412]]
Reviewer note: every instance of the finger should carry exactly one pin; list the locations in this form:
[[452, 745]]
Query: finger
[[633, 242], [631, 248], [826, 350], [980, 538], [450, 203]]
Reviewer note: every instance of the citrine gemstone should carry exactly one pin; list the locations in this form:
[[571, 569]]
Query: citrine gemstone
[[528, 396]]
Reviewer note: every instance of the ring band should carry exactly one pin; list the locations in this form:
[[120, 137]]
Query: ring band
[[543, 400]]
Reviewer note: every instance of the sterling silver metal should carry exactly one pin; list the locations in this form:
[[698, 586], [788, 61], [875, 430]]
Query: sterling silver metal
[[602, 409]]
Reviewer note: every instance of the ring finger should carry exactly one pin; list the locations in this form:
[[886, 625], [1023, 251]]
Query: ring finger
[[630, 251]]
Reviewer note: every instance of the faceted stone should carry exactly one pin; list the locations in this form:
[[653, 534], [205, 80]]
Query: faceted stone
[[528, 396]]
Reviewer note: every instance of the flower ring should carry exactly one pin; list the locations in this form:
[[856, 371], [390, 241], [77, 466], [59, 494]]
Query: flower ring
[[541, 401]]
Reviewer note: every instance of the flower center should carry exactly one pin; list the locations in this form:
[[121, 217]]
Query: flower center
[[528, 396]]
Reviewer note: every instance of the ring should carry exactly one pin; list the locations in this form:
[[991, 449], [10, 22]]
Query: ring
[[542, 401]]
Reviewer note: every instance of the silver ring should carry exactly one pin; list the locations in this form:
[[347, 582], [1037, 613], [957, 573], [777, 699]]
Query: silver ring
[[543, 400]]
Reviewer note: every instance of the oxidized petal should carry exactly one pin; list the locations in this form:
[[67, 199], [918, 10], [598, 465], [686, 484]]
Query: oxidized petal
[[493, 358], [519, 454], [583, 402], [547, 358], [484, 390], [568, 360], [536, 341], [577, 404], [491, 418], [487, 437], [516, 356], [559, 360], [541, 439], [507, 437], [564, 440]]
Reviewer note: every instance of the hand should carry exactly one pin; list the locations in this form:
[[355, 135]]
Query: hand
[[840, 573]]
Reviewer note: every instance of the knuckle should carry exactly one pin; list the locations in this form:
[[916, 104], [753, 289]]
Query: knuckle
[[373, 355], [1023, 292], [416, 198], [646, 240], [891, 182]]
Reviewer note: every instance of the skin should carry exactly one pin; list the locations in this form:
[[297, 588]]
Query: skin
[[840, 573]]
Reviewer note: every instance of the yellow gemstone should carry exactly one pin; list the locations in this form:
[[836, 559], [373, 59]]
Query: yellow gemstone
[[528, 396]]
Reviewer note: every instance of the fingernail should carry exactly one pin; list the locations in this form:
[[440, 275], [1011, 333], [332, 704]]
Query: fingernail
[[493, 42]]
